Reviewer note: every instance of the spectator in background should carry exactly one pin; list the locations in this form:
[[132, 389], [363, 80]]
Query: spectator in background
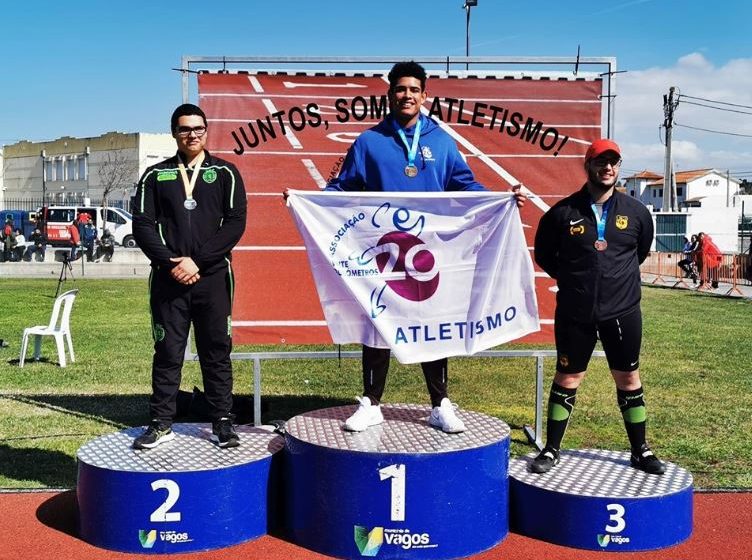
[[689, 250], [8, 239], [106, 246], [709, 261], [89, 237], [20, 248], [37, 244], [75, 238]]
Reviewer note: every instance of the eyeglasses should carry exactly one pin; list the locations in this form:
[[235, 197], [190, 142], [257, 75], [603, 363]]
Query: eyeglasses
[[185, 131], [604, 161]]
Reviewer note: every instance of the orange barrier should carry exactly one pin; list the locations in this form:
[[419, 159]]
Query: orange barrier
[[731, 269]]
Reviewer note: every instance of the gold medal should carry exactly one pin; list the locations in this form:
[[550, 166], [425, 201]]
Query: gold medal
[[411, 171], [600, 245]]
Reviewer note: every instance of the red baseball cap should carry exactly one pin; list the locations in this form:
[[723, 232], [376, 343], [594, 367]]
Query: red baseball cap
[[601, 146]]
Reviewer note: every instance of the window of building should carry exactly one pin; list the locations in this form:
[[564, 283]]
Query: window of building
[[58, 170], [70, 169], [82, 169], [679, 191]]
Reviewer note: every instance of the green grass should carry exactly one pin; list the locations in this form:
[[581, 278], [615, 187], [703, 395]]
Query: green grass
[[695, 365]]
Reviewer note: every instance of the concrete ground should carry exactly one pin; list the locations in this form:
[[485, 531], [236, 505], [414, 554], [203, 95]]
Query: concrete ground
[[126, 263]]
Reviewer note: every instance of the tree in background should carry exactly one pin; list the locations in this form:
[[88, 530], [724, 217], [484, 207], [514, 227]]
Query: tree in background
[[115, 173]]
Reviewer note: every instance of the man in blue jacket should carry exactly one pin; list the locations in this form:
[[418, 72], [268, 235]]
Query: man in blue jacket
[[407, 152], [592, 243]]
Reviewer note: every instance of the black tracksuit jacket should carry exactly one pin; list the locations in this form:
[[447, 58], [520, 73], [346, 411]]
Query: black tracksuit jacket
[[594, 285], [163, 228]]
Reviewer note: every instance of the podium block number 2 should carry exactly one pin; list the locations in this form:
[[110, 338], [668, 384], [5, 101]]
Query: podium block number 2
[[397, 474], [162, 513]]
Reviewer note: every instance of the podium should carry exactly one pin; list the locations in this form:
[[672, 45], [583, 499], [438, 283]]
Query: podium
[[595, 500], [402, 489], [183, 495]]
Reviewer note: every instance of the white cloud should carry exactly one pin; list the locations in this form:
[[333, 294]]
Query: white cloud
[[639, 113]]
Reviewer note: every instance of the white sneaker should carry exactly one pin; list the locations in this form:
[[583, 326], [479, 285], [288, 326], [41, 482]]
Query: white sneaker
[[445, 418], [365, 416]]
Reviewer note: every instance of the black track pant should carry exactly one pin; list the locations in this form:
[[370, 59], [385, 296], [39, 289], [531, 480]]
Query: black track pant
[[376, 366], [207, 304]]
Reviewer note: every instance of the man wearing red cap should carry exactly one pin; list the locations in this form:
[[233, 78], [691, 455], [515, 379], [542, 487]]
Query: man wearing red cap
[[592, 243]]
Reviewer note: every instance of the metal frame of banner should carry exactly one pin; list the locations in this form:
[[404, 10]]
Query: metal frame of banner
[[533, 433], [604, 66]]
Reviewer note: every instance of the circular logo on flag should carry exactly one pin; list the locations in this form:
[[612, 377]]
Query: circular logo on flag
[[410, 268]]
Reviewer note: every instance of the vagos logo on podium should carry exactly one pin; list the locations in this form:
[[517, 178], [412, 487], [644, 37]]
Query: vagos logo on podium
[[370, 542]]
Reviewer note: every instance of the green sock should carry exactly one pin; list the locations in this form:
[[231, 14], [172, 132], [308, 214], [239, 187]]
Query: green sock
[[632, 406], [560, 405]]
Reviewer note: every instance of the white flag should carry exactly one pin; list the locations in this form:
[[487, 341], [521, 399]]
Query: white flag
[[429, 275]]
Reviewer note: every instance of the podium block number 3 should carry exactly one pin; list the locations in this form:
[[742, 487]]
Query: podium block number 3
[[397, 474], [162, 513], [617, 516]]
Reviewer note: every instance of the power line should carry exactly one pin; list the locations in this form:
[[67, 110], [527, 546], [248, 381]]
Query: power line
[[718, 102], [717, 108], [713, 131]]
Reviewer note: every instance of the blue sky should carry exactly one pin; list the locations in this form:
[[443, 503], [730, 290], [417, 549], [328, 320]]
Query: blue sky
[[82, 68]]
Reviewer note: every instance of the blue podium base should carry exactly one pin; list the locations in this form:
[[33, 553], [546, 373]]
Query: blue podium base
[[184, 495], [402, 489], [595, 500]]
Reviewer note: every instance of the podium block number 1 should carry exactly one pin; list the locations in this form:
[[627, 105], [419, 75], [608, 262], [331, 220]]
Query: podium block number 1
[[162, 513], [397, 474]]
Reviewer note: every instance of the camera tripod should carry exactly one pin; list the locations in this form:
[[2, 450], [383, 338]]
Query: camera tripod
[[66, 269]]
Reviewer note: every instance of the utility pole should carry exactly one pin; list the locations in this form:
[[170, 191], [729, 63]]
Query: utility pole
[[468, 4], [669, 187]]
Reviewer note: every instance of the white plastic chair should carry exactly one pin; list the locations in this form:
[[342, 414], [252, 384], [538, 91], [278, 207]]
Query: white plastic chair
[[59, 329]]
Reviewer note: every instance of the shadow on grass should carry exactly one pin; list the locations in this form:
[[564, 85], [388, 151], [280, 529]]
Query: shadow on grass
[[56, 469], [50, 468]]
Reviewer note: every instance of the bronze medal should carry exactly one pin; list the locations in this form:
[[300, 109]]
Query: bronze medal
[[600, 245], [411, 171]]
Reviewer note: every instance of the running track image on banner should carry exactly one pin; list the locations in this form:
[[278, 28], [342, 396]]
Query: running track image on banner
[[293, 131]]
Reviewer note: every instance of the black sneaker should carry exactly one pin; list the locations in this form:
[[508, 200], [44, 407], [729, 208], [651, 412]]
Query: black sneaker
[[223, 434], [545, 461], [645, 460], [157, 432]]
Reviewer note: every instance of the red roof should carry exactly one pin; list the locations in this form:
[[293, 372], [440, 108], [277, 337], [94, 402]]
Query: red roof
[[645, 174], [685, 176]]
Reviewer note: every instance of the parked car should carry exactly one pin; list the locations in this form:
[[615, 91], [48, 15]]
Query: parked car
[[55, 219]]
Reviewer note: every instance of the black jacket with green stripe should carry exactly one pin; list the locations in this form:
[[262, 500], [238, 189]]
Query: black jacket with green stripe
[[165, 228]]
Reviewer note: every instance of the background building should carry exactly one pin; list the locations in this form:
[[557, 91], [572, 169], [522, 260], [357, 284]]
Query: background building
[[72, 170], [708, 200]]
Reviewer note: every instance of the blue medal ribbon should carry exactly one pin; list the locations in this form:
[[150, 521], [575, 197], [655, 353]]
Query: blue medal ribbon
[[601, 221], [412, 149]]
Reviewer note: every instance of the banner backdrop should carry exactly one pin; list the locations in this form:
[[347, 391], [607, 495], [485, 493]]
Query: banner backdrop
[[429, 275]]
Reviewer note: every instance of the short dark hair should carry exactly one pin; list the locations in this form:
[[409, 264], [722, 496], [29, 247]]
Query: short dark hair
[[184, 110], [409, 69]]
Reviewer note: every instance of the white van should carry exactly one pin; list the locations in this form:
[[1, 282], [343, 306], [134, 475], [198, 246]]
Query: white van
[[57, 218]]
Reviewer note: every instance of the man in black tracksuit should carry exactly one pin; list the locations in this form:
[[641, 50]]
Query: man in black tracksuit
[[592, 244], [190, 212]]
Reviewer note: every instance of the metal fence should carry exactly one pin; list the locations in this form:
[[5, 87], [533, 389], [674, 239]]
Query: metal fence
[[734, 269], [31, 204]]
